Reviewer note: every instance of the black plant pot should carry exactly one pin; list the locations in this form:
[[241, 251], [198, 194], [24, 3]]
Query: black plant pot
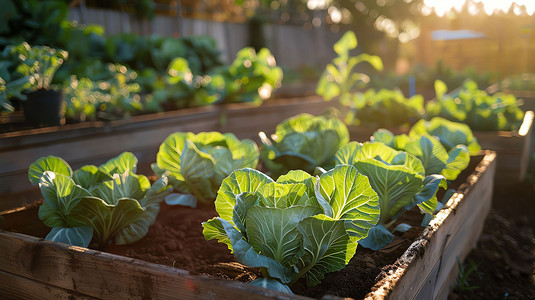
[[44, 108]]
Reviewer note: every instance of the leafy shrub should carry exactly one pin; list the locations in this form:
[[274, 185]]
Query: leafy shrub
[[105, 203], [109, 99], [38, 63], [25, 68], [81, 99]]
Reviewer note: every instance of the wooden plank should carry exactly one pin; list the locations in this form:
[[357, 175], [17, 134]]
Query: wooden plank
[[142, 135], [418, 263], [462, 243], [107, 276], [80, 151], [16, 287], [48, 135], [471, 215], [514, 150]]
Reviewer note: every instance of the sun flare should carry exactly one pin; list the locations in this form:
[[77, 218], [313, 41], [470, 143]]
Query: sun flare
[[441, 7]]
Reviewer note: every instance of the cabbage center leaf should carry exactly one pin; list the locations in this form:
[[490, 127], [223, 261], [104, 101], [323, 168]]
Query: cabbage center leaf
[[239, 181], [273, 231], [107, 220]]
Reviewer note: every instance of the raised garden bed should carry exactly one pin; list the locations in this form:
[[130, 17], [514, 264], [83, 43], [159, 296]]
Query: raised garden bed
[[31, 266], [514, 149], [95, 142], [527, 96]]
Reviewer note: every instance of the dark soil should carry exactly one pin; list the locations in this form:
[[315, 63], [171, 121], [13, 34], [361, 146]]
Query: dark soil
[[505, 252], [176, 240]]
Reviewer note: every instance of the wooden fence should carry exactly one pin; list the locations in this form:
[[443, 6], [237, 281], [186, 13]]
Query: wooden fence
[[506, 47], [292, 45]]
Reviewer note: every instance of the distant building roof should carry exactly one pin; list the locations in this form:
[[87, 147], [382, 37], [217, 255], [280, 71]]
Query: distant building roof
[[444, 35]]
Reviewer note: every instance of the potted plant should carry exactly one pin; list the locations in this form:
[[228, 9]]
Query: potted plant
[[42, 104]]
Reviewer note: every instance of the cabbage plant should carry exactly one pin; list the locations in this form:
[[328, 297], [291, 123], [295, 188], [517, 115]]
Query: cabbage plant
[[196, 164], [252, 77], [399, 180], [340, 78], [298, 226], [383, 108], [303, 142], [432, 154], [450, 134], [476, 108], [104, 204]]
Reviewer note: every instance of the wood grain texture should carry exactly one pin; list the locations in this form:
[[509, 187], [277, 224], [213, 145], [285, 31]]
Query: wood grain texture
[[424, 269], [16, 287], [107, 276]]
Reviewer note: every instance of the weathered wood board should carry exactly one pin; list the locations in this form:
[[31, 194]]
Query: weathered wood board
[[96, 142], [424, 270], [514, 149], [101, 275]]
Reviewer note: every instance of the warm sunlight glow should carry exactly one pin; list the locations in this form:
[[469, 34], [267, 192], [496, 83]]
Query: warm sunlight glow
[[441, 7], [317, 4], [528, 119]]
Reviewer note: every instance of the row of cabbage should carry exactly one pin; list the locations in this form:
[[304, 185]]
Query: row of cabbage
[[113, 76], [321, 197], [250, 78], [390, 108]]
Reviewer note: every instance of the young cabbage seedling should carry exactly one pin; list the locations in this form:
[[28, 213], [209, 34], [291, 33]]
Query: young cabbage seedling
[[103, 204]]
